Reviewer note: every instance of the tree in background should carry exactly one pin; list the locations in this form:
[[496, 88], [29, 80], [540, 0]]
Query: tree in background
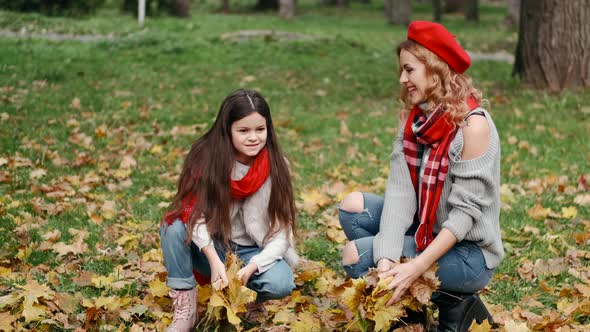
[[437, 10], [513, 15], [398, 12], [53, 7], [287, 8], [553, 44], [471, 8]]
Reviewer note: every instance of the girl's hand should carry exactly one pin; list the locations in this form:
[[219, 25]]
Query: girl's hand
[[246, 272], [404, 276], [218, 275]]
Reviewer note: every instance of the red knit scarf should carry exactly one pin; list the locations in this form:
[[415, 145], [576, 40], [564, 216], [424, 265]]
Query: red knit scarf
[[436, 132], [248, 185]]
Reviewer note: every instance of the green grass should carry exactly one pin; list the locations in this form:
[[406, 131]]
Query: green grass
[[180, 70]]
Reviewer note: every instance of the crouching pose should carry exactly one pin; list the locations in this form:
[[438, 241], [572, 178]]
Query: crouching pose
[[234, 193], [442, 201]]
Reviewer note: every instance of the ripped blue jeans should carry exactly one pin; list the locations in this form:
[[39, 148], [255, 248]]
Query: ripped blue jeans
[[462, 269]]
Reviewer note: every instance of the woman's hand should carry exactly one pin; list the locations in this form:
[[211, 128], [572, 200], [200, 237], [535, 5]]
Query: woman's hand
[[404, 276], [246, 272]]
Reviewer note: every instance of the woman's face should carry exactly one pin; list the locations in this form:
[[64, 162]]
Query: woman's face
[[248, 137], [413, 77]]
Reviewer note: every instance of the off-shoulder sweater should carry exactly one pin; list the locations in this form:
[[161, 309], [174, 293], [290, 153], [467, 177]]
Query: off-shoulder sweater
[[469, 206]]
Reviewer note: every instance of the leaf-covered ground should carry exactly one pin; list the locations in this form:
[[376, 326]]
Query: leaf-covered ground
[[92, 138]]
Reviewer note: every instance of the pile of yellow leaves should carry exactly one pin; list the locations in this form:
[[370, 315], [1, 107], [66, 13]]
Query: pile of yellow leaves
[[322, 301], [225, 303], [367, 298]]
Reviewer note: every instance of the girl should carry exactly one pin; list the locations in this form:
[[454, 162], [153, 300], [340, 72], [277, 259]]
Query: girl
[[234, 193], [442, 201]]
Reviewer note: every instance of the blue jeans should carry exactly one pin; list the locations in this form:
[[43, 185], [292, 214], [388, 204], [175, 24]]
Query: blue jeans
[[180, 260], [462, 269]]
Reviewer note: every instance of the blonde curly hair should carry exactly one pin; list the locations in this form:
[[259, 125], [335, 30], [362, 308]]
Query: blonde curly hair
[[448, 88]]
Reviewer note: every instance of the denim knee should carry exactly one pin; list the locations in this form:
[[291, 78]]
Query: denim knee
[[273, 284], [277, 290], [364, 247], [173, 232]]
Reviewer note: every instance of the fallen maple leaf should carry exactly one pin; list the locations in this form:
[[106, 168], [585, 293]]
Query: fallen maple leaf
[[6, 320], [158, 288], [539, 212], [483, 327]]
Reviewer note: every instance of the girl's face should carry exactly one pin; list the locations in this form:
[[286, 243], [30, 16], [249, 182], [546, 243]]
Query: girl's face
[[248, 137], [413, 77]]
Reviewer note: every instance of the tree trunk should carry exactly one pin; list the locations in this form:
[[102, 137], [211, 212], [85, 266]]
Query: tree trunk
[[287, 8], [437, 8], [266, 4], [513, 12], [180, 8], [225, 6], [552, 51], [453, 6], [472, 10], [339, 3], [398, 12]]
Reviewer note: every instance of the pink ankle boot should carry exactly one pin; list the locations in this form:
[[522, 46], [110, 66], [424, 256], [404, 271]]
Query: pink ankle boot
[[184, 302]]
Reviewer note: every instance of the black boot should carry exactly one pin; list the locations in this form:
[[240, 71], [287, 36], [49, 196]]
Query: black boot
[[456, 311], [412, 318]]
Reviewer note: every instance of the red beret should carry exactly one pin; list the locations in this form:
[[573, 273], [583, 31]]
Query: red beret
[[441, 42]]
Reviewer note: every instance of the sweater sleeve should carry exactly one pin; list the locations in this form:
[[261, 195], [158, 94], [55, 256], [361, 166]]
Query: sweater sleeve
[[399, 206], [474, 186], [273, 251], [200, 235]]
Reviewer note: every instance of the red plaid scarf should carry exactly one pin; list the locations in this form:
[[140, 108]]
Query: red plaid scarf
[[248, 185], [437, 132]]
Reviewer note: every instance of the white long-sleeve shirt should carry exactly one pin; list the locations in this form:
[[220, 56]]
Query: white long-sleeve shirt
[[249, 226]]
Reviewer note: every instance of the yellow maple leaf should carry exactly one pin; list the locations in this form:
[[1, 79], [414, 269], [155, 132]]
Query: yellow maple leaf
[[313, 200], [99, 281], [322, 285], [154, 255], [33, 290], [305, 323], [569, 212], [111, 303], [9, 300], [5, 271], [6, 320], [158, 288], [538, 212], [513, 326], [353, 296], [282, 317], [483, 327], [385, 315], [33, 311]]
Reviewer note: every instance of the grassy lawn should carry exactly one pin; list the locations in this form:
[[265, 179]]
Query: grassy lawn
[[92, 138]]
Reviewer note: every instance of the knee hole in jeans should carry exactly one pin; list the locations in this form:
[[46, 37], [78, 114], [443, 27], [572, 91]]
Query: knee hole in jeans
[[350, 254], [353, 202]]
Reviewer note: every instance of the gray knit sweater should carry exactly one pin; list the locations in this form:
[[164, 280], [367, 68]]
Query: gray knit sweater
[[469, 205]]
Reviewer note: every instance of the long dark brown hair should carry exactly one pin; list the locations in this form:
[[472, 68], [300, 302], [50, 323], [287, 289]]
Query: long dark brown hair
[[211, 160]]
